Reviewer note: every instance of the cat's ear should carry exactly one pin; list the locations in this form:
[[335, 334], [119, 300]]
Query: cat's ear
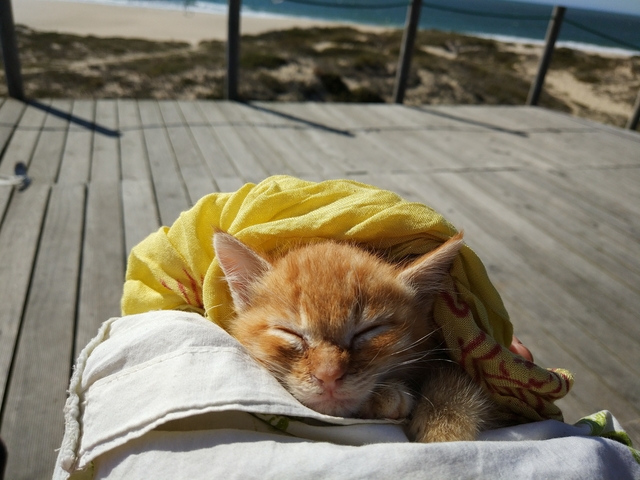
[[241, 266], [427, 272]]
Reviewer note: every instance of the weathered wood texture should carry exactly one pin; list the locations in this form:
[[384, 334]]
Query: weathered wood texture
[[550, 203]]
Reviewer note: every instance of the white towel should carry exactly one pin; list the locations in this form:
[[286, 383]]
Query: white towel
[[168, 394]]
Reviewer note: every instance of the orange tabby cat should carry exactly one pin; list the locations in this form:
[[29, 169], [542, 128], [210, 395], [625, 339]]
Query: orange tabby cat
[[349, 334]]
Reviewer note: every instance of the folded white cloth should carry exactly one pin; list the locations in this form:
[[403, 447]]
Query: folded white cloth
[[168, 394]]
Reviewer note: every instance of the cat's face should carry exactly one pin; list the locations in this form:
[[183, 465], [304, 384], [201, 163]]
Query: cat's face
[[330, 321]]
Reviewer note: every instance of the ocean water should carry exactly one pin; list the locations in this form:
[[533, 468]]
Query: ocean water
[[491, 18]]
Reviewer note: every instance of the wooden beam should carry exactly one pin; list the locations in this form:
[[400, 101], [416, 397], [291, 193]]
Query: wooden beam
[[550, 41], [406, 50], [632, 124], [233, 49], [10, 51]]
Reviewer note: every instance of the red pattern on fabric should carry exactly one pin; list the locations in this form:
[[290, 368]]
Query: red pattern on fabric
[[460, 312], [194, 288], [183, 291]]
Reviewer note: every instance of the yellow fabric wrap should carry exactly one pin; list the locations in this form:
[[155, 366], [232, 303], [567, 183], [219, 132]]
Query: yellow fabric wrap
[[175, 268]]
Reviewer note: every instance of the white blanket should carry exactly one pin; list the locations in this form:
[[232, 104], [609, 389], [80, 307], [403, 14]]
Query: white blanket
[[169, 394]]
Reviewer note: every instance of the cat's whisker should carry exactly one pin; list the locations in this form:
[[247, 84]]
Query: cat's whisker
[[372, 360], [416, 343]]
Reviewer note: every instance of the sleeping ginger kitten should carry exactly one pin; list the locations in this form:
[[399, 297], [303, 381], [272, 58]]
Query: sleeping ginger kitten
[[349, 334]]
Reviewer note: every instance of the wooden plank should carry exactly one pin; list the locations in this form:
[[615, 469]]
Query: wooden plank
[[103, 256], [47, 156], [10, 113], [140, 211], [356, 155], [76, 159], [245, 161], [20, 148], [269, 158], [195, 172], [18, 243], [617, 189], [284, 140], [481, 146], [134, 161], [103, 261], [310, 139], [22, 143], [568, 224], [105, 165], [225, 175], [388, 131], [523, 119], [32, 424], [171, 193], [604, 207]]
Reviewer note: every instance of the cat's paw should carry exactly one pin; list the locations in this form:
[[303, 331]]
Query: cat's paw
[[392, 401]]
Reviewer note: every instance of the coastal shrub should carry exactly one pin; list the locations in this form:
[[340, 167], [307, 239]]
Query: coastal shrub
[[370, 62], [588, 68], [365, 95], [166, 65], [46, 47], [430, 62], [258, 59], [271, 83], [333, 84], [293, 42], [338, 52], [57, 84]]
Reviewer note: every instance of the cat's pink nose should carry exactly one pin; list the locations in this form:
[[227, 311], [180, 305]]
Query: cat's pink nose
[[329, 376]]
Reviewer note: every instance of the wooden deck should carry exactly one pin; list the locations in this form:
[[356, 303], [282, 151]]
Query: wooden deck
[[549, 202]]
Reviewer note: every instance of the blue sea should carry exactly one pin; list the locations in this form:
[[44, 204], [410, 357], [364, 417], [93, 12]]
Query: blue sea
[[492, 18]]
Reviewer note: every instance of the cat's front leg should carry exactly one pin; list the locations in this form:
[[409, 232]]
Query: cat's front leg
[[391, 400], [451, 407]]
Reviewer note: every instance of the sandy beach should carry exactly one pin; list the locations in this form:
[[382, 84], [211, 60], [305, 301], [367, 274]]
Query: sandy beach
[[139, 22]]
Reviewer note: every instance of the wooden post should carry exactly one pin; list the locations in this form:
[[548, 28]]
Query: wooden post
[[233, 49], [406, 50], [552, 35], [632, 124], [10, 51]]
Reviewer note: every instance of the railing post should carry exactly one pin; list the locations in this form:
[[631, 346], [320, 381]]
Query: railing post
[[632, 124], [550, 40], [10, 51], [233, 49], [406, 50]]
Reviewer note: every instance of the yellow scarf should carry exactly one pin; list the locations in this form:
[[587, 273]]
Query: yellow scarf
[[175, 268]]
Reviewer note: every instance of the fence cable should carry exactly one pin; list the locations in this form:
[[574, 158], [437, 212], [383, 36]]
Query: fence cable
[[584, 28], [476, 13]]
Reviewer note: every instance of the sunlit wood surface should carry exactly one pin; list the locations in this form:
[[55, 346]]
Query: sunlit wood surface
[[549, 202]]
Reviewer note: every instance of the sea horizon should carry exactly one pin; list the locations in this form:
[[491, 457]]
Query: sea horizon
[[531, 30]]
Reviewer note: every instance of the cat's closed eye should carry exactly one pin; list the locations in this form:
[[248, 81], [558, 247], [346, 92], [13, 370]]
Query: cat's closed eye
[[367, 333], [297, 339]]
